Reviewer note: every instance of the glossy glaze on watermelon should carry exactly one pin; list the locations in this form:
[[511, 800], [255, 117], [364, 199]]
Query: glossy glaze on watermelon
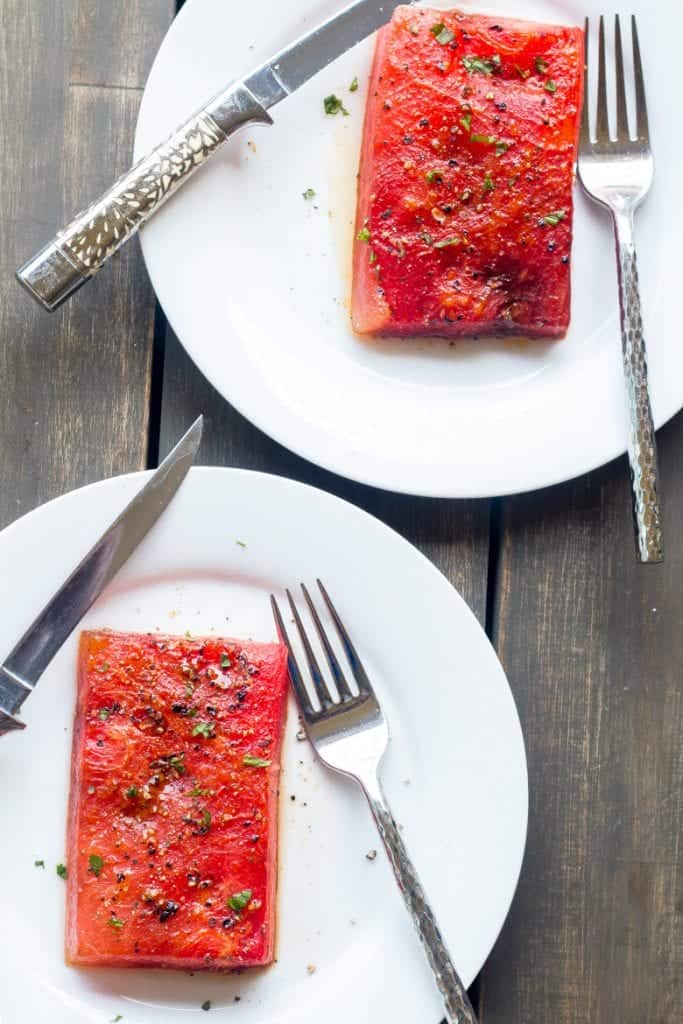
[[172, 845], [464, 218]]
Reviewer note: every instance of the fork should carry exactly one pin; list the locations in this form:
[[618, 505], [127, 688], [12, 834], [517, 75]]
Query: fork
[[350, 735], [617, 173]]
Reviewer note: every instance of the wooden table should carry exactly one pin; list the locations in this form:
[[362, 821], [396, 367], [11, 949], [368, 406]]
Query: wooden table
[[591, 642]]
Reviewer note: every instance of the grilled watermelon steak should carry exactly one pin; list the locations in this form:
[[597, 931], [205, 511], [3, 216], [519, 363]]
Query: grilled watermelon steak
[[172, 845], [464, 216]]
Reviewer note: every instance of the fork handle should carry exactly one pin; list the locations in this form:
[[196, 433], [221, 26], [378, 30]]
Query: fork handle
[[457, 1005], [642, 449]]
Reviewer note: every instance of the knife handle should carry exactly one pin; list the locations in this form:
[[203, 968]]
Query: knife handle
[[80, 249]]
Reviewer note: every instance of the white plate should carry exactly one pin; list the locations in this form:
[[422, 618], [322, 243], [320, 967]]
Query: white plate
[[455, 772], [256, 281]]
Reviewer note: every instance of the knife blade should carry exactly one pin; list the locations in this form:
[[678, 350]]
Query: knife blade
[[29, 658], [84, 246]]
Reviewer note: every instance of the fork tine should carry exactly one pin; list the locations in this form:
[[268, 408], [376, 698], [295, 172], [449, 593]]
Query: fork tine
[[332, 661], [585, 134], [295, 676], [623, 133], [319, 683], [602, 118], [359, 673], [642, 127]]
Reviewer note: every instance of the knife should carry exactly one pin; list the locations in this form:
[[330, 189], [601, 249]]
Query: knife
[[28, 660], [79, 250]]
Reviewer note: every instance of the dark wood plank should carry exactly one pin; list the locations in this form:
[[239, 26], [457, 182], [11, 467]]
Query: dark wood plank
[[593, 647], [454, 535], [75, 396]]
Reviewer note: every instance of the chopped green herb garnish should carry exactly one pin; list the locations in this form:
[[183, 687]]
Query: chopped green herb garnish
[[132, 792], [240, 544], [354, 85], [487, 140], [95, 864], [553, 219], [205, 729], [501, 147], [197, 791], [177, 761], [252, 761], [61, 870], [206, 1005], [481, 66], [117, 1018], [442, 34], [433, 176], [103, 714], [541, 65], [39, 863], [550, 86], [103, 666], [115, 922], [489, 184], [309, 193], [364, 234], [333, 105], [372, 258], [225, 661], [206, 821], [466, 121], [521, 72], [446, 242], [426, 238], [239, 900]]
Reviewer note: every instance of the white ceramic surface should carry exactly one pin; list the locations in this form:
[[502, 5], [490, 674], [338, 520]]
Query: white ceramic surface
[[455, 773], [255, 280]]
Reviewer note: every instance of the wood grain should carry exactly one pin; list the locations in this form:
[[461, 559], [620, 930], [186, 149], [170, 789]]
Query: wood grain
[[454, 535], [593, 646], [75, 396]]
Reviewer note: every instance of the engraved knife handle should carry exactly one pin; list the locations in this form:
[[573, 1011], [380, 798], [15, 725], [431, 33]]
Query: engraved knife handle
[[456, 1002], [79, 250], [642, 448]]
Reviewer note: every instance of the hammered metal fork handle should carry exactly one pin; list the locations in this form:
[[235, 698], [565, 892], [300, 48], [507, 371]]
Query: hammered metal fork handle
[[642, 449], [84, 246], [456, 1003]]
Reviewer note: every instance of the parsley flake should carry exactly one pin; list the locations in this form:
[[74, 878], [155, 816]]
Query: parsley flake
[[39, 863], [252, 761], [205, 729], [333, 105], [354, 85], [225, 661], [239, 900], [309, 193], [115, 922], [434, 176], [206, 1005], [541, 65], [481, 65], [364, 234], [446, 242], [486, 140], [442, 34], [95, 864], [553, 219], [466, 121], [132, 792], [61, 870], [489, 184], [550, 86]]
